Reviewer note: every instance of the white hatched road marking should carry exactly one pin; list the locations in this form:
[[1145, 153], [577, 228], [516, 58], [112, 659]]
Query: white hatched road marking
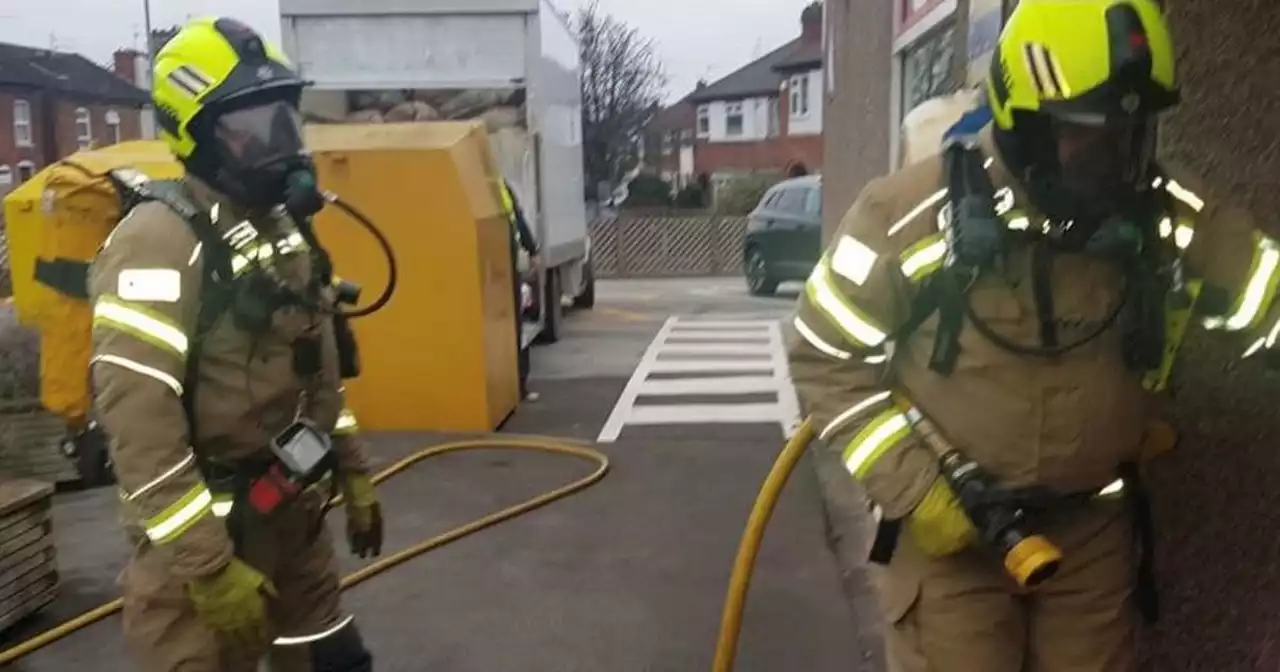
[[713, 345]]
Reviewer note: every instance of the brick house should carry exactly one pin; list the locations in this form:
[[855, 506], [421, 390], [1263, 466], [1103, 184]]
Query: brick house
[[767, 115], [669, 147], [764, 117], [53, 104]]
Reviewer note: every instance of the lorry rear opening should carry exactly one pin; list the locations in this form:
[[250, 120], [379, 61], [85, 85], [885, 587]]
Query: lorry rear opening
[[511, 63]]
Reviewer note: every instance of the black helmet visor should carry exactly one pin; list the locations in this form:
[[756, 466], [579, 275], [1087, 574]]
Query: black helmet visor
[[256, 137]]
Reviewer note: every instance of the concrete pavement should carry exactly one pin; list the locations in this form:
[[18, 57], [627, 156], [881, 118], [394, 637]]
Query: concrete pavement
[[627, 576]]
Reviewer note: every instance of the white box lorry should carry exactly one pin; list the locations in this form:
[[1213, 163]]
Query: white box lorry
[[518, 54]]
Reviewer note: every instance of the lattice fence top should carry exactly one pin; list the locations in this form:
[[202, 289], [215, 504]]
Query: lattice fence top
[[631, 246]]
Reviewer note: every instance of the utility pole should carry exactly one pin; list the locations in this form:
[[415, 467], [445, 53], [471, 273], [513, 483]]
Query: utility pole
[[148, 115], [146, 20]]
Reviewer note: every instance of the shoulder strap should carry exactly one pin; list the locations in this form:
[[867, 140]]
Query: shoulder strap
[[217, 290]]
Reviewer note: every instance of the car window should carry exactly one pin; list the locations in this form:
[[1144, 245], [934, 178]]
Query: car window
[[792, 201], [770, 199], [813, 204]]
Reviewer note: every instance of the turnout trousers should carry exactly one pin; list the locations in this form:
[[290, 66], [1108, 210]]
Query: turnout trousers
[[963, 614], [163, 634]]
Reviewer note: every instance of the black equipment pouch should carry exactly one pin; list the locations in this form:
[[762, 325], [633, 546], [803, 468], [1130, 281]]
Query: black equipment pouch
[[348, 349], [886, 540], [1146, 593]]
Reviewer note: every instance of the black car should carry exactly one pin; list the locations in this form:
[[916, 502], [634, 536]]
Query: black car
[[784, 235]]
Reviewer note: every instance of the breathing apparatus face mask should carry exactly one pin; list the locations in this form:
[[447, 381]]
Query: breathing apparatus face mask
[[1104, 164], [260, 151], [1081, 172]]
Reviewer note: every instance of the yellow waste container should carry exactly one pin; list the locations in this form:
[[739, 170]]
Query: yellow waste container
[[442, 355]]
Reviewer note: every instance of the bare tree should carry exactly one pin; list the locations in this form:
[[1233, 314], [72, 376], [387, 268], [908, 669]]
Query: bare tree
[[622, 87]]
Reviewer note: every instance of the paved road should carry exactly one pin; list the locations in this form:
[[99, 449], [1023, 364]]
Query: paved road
[[626, 577]]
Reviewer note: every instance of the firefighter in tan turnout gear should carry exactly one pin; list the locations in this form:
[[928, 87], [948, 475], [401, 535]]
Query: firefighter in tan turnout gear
[[217, 370], [985, 336]]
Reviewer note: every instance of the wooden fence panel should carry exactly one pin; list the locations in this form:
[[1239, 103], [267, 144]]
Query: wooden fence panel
[[649, 246]]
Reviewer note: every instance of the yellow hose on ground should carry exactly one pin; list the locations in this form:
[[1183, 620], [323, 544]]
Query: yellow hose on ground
[[544, 445], [735, 600]]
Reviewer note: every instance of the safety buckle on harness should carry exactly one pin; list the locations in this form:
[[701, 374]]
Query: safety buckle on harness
[[303, 455]]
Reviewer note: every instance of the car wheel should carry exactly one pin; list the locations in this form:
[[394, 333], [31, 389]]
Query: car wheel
[[759, 282]]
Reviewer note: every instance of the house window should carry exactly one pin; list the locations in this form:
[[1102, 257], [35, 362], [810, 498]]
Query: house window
[[686, 136], [22, 135], [704, 121], [733, 120], [929, 69], [6, 177], [668, 143], [26, 170], [84, 128], [774, 127], [800, 96], [113, 126]]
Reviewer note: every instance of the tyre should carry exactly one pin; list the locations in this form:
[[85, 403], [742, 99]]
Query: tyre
[[759, 281], [587, 299], [552, 308]]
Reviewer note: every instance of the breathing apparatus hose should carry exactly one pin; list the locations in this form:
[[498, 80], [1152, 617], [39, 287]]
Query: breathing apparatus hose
[[740, 580], [531, 443], [392, 270]]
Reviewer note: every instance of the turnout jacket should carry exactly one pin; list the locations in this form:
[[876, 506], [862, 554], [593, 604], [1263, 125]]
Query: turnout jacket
[[146, 286], [1064, 423]]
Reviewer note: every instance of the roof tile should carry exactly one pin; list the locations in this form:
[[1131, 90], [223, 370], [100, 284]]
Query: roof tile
[[65, 72]]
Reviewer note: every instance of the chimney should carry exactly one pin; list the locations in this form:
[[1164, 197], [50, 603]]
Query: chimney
[[811, 23], [124, 62]]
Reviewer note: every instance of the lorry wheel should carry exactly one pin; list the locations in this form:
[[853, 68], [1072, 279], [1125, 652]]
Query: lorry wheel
[[93, 459], [587, 299], [551, 305]]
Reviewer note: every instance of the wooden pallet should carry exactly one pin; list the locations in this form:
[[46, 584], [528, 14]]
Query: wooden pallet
[[30, 446], [28, 557]]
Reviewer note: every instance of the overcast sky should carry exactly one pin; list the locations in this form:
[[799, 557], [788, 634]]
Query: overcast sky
[[707, 38]]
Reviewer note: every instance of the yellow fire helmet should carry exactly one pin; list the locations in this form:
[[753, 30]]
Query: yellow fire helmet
[[1083, 61], [1075, 90], [211, 65]]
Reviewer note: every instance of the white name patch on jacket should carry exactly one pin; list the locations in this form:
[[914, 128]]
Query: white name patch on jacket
[[150, 284]]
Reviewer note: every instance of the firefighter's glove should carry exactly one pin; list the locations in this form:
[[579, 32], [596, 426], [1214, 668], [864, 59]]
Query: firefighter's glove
[[231, 603], [364, 516], [939, 524]]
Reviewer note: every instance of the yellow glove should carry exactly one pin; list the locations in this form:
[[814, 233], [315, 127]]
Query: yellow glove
[[364, 516], [938, 523], [230, 602]]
